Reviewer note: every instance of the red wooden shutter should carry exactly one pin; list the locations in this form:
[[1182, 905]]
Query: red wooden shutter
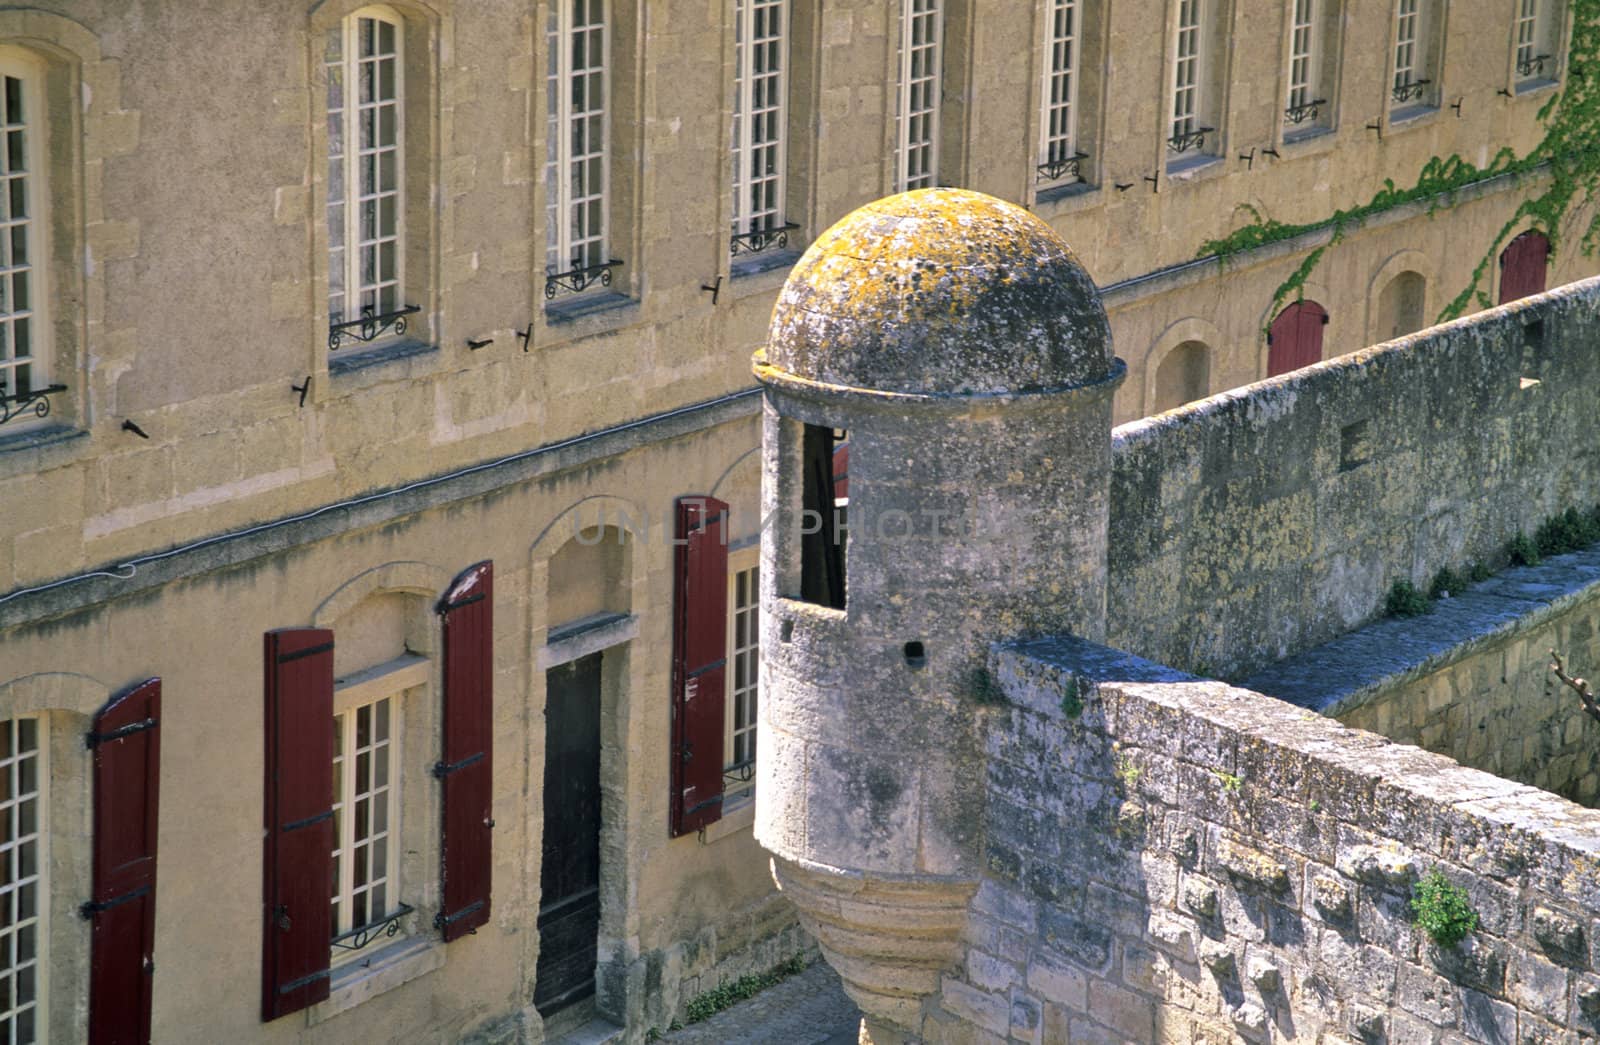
[[298, 920], [1523, 265], [699, 641], [126, 740], [1295, 338], [467, 769]]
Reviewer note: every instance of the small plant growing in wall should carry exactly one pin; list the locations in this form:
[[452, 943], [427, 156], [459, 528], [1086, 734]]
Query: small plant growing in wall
[[1128, 773], [1522, 551], [1446, 582], [1232, 783], [985, 689], [1443, 910], [1405, 600]]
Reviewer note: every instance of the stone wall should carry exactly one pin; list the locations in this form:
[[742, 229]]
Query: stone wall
[[1259, 523], [1171, 859], [1471, 679]]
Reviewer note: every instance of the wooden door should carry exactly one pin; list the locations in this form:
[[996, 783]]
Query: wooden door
[[1295, 338], [569, 874], [1522, 266]]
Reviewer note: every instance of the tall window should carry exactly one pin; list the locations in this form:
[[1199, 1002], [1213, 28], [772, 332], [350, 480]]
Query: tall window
[[366, 232], [760, 125], [1188, 83], [366, 814], [917, 116], [577, 154], [1302, 55], [24, 361], [1535, 53], [22, 883], [1415, 45], [1058, 115], [744, 655]]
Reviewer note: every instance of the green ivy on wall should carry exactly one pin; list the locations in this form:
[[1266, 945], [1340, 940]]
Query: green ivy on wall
[[1569, 155]]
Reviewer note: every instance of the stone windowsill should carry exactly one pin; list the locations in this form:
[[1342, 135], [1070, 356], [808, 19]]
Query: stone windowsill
[[39, 448], [385, 969], [1072, 195], [389, 361], [737, 817], [1416, 114], [755, 264], [1193, 167], [608, 303], [1535, 85], [1307, 139]]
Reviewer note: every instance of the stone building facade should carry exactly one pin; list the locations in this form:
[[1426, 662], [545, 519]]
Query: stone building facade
[[1049, 836], [310, 311]]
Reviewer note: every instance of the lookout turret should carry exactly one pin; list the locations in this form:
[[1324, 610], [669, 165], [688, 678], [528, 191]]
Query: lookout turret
[[949, 347]]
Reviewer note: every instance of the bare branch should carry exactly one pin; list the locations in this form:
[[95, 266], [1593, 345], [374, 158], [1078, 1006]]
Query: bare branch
[[1579, 686]]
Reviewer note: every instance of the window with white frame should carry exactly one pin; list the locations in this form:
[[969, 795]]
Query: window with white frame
[[25, 365], [917, 114], [577, 148], [1190, 89], [1059, 157], [1413, 53], [1535, 59], [760, 125], [1305, 57], [366, 818], [744, 674], [22, 881], [366, 177]]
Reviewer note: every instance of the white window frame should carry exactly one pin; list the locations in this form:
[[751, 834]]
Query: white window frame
[[1189, 57], [1533, 53], [11, 762], [567, 249], [1058, 100], [22, 374], [760, 135], [1305, 52], [391, 682], [743, 685], [920, 82], [355, 226], [1411, 30]]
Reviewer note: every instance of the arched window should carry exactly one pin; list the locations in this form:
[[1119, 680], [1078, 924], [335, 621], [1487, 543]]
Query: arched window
[[1183, 375], [1522, 266], [1295, 338], [1400, 306]]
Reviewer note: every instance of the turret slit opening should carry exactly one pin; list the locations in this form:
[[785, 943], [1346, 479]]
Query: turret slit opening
[[822, 518]]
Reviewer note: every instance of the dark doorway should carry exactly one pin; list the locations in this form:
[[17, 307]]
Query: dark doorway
[[1522, 266], [569, 873], [1295, 338]]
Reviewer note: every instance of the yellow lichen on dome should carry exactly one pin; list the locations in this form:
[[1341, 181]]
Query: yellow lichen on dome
[[940, 291]]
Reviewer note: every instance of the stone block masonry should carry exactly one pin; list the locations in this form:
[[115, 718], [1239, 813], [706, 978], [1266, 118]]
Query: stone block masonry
[[1252, 526], [1187, 861], [1472, 678]]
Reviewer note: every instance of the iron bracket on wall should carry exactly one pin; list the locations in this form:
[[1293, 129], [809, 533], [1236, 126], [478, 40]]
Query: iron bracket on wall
[[1122, 186], [35, 401], [129, 426], [94, 740], [1154, 180], [474, 345], [579, 277], [356, 939], [1195, 139], [1405, 92], [1304, 111], [1456, 105], [370, 325], [757, 240], [1376, 125], [1053, 170], [714, 289], [303, 387], [526, 336]]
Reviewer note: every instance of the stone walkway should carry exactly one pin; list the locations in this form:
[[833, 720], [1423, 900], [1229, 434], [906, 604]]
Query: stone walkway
[[808, 1009]]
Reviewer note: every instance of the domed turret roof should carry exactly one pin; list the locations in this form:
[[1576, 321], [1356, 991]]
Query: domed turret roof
[[943, 292]]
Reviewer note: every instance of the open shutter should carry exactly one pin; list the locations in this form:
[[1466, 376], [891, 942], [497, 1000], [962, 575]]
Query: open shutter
[[298, 920], [126, 742], [467, 769], [699, 641]]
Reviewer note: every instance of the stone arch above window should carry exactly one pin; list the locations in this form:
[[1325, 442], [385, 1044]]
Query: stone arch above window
[[1185, 373], [376, 131], [1394, 310]]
